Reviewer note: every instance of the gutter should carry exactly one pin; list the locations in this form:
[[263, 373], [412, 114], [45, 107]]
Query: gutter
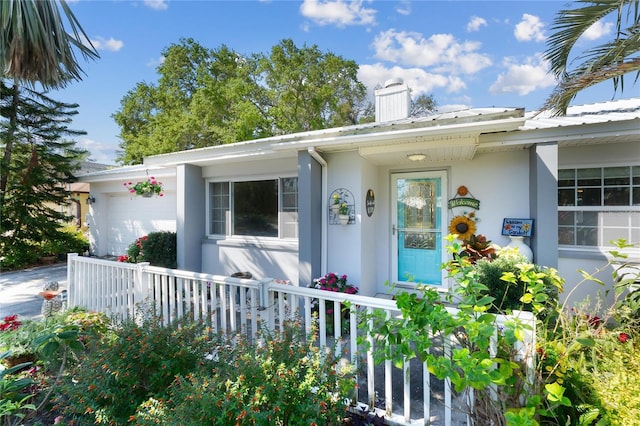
[[325, 194]]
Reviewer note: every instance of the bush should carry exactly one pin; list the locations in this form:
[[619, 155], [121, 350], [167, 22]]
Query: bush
[[284, 380], [157, 248], [18, 253], [141, 362], [503, 278]]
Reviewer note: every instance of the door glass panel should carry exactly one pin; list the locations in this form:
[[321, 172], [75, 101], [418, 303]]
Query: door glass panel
[[419, 234]]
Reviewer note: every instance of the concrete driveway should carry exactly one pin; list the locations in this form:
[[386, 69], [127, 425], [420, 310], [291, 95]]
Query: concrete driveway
[[19, 289]]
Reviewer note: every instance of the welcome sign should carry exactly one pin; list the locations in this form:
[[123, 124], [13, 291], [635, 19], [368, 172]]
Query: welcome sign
[[517, 227]]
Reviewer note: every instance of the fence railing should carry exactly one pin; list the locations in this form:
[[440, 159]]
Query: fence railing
[[409, 395]]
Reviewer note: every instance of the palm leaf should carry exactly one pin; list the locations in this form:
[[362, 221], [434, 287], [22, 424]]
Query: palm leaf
[[36, 46], [609, 61]]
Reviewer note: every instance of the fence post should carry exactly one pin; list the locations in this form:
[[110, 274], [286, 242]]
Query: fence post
[[71, 280], [141, 284], [265, 300]]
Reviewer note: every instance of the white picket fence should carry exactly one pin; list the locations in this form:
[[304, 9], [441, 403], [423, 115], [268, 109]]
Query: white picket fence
[[406, 396]]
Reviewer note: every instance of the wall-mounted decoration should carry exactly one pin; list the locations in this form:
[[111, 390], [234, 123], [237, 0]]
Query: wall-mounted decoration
[[370, 202], [464, 220], [463, 198], [342, 207], [517, 227]]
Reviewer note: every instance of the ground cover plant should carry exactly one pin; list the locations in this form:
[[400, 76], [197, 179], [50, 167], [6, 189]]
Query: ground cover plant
[[587, 362]]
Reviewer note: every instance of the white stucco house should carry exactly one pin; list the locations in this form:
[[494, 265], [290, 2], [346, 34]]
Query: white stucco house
[[264, 206]]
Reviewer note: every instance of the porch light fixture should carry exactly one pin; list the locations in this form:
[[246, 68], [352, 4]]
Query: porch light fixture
[[91, 200], [416, 157]]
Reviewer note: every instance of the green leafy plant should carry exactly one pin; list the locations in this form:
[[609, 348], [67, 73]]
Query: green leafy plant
[[512, 281], [17, 336], [140, 362], [157, 248], [499, 378], [14, 395], [284, 380]]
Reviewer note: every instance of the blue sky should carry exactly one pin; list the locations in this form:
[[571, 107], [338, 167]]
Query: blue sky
[[465, 53]]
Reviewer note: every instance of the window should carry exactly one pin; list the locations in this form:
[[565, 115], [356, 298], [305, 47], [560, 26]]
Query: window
[[598, 204], [261, 208]]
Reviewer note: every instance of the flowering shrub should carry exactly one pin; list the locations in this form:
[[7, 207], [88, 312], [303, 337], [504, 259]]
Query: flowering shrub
[[10, 323], [146, 187], [157, 248], [284, 380], [335, 283]]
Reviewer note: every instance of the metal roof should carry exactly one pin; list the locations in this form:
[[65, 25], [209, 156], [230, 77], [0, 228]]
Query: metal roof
[[601, 112]]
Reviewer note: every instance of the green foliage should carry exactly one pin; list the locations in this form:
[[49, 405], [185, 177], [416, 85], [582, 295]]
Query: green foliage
[[512, 281], [20, 340], [472, 363], [139, 363], [157, 248], [206, 97], [14, 395], [283, 380], [42, 164]]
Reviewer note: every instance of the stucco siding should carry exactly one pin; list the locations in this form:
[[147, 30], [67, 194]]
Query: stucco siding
[[278, 260]]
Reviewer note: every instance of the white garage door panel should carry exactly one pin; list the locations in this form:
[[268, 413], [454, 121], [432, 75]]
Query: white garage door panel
[[133, 217]]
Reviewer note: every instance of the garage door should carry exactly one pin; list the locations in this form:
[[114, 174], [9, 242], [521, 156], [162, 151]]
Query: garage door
[[132, 217]]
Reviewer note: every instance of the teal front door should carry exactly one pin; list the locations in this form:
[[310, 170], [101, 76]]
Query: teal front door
[[418, 227]]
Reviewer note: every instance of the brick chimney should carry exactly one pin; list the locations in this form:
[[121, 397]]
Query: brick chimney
[[393, 102]]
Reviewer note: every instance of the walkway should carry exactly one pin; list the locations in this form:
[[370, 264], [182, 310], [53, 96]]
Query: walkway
[[19, 289]]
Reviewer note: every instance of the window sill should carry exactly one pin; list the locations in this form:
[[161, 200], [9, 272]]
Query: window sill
[[255, 243], [595, 253]]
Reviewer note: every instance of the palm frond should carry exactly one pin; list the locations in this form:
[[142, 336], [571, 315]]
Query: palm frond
[[36, 46], [569, 87]]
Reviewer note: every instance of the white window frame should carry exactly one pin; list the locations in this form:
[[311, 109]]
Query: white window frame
[[632, 225], [229, 213]]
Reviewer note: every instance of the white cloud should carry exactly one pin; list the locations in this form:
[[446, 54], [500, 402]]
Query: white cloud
[[419, 80], [523, 78], [100, 152], [404, 7], [156, 4], [112, 45], [475, 23], [441, 51], [598, 29], [338, 12], [529, 28]]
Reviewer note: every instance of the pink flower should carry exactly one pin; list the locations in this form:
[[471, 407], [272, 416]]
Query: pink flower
[[57, 420], [623, 337]]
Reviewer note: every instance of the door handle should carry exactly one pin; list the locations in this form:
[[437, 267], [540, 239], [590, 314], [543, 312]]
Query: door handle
[[393, 229]]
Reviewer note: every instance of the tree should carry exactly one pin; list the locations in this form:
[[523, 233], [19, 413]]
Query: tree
[[209, 97], [423, 105], [308, 89], [36, 48], [41, 167], [203, 97], [609, 61]]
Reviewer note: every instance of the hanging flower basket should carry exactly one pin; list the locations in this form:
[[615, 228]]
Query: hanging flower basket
[[146, 188]]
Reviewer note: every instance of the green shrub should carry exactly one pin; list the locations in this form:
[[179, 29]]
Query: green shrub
[[141, 362], [18, 253], [284, 380], [503, 278], [157, 248]]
